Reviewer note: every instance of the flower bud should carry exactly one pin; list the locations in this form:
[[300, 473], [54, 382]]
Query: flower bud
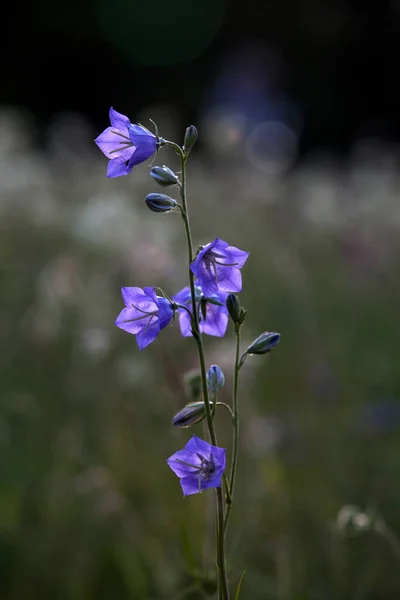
[[160, 202], [215, 379], [190, 138], [264, 343], [233, 306], [192, 413], [164, 176], [193, 384]]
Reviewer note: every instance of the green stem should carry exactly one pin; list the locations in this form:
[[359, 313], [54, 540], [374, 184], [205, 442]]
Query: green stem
[[221, 560], [235, 444]]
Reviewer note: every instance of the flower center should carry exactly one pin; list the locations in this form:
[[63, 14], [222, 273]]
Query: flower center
[[124, 143], [205, 470], [146, 314], [211, 261]]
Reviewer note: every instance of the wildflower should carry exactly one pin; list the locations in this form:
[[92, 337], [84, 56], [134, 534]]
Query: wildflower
[[192, 413], [199, 466], [217, 267], [213, 314], [145, 314], [160, 202], [264, 343], [191, 135], [164, 176], [126, 145], [215, 379]]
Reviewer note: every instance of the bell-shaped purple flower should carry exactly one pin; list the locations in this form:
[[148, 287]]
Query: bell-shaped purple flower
[[145, 314], [212, 311], [199, 466], [126, 145], [217, 267]]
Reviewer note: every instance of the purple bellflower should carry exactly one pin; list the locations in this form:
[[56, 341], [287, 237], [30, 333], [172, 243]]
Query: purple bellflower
[[126, 145], [217, 267], [145, 314], [213, 314], [199, 466]]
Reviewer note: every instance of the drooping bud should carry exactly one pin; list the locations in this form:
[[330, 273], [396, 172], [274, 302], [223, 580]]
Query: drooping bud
[[164, 176], [215, 379], [264, 343], [233, 306], [160, 203], [192, 413], [193, 384], [190, 138]]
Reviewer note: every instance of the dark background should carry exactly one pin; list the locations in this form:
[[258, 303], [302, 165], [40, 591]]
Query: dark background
[[336, 61]]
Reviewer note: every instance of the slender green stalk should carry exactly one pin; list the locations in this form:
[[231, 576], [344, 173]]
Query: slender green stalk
[[223, 589], [235, 444], [221, 560]]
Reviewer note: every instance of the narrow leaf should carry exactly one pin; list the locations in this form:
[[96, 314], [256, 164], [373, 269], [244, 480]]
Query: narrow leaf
[[239, 587]]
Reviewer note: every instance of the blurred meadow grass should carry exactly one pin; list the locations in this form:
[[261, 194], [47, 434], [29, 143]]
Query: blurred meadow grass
[[88, 506]]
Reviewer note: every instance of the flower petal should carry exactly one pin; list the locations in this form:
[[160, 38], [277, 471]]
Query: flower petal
[[130, 320], [216, 321], [117, 168], [190, 485], [229, 279], [165, 312], [145, 299], [185, 323], [118, 120], [234, 255], [176, 461], [196, 444], [115, 144], [147, 335]]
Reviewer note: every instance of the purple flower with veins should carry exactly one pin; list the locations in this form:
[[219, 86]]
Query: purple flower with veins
[[145, 314], [217, 267], [212, 311], [126, 145], [199, 466]]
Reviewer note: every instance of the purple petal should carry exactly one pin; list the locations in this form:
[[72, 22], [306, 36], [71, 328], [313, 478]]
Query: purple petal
[[144, 299], [147, 335], [151, 291], [196, 444], [180, 469], [145, 143], [115, 144], [229, 279], [118, 121], [128, 320], [165, 312], [184, 323], [234, 255], [117, 168], [214, 482], [216, 321], [190, 485], [219, 245], [142, 153], [138, 132], [183, 297]]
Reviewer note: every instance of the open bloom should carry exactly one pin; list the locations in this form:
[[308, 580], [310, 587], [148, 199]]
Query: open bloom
[[199, 466], [217, 267], [145, 314], [126, 145], [212, 311]]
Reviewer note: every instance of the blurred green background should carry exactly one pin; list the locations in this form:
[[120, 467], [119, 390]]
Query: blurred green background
[[88, 507]]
